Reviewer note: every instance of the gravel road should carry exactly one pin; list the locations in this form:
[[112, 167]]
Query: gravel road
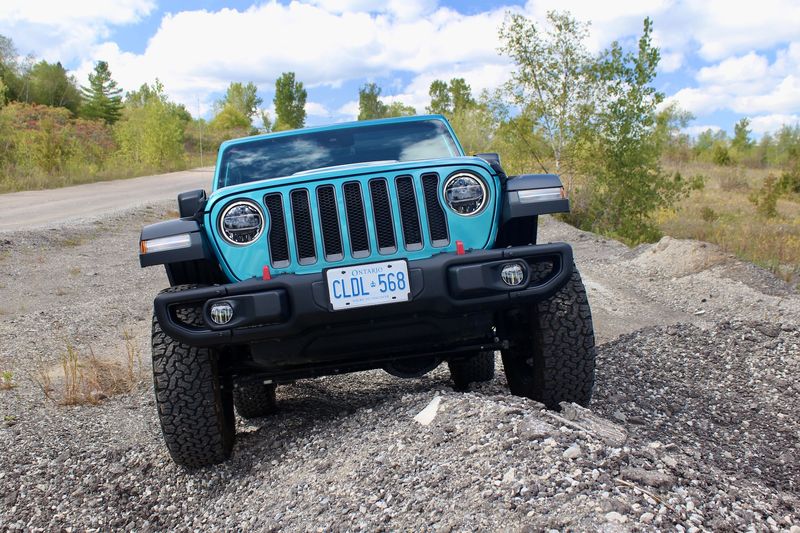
[[694, 425], [53, 207]]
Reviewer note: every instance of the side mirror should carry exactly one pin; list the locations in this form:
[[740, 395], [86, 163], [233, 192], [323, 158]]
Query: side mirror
[[189, 203]]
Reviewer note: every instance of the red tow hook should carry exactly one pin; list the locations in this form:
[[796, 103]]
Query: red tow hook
[[266, 274], [459, 248]]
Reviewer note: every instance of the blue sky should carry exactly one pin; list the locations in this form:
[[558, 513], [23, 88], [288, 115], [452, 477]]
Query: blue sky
[[721, 60]]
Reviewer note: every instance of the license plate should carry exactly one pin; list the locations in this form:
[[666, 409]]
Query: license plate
[[364, 285]]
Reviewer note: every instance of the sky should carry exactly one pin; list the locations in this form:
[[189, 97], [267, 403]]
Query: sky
[[721, 59]]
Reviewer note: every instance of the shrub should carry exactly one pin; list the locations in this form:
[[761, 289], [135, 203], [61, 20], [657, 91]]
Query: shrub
[[766, 198], [708, 214]]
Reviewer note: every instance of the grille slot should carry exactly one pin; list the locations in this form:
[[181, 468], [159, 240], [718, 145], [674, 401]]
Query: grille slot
[[329, 220], [303, 230], [382, 211], [278, 241], [409, 213], [356, 221], [437, 222]]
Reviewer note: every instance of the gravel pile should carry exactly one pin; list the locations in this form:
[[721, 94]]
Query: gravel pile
[[691, 429]]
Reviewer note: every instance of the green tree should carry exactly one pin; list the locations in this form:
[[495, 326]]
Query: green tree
[[151, 134], [369, 102], [290, 103], [102, 100], [399, 109], [476, 126], [741, 141], [50, 85], [449, 99], [673, 144], [11, 75], [242, 98], [629, 184], [552, 82], [230, 118], [441, 103], [460, 95]]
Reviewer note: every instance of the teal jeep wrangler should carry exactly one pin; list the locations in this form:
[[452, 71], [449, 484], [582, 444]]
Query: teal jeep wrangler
[[376, 244]]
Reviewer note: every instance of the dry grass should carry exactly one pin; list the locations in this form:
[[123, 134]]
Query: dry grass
[[723, 214], [7, 380], [88, 379]]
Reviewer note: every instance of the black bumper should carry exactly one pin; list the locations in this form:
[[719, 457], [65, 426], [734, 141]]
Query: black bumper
[[444, 285]]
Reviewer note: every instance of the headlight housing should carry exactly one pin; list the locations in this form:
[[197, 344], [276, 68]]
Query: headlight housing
[[465, 193], [241, 223]]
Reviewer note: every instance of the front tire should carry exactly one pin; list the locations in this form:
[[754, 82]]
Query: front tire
[[553, 360], [195, 404], [474, 369]]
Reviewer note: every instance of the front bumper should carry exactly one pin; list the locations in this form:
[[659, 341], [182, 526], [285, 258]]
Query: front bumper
[[447, 284]]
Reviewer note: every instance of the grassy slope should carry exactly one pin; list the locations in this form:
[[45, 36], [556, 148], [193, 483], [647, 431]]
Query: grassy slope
[[733, 223]]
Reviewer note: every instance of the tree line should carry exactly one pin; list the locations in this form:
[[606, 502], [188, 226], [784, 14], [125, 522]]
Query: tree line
[[595, 119]]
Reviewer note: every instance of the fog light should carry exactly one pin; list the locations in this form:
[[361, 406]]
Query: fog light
[[221, 313], [512, 274]]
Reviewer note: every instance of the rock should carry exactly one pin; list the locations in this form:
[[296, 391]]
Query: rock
[[573, 452], [619, 415], [426, 416], [510, 475], [614, 516], [769, 330], [534, 429], [669, 461], [794, 529], [651, 478], [646, 518], [116, 468]]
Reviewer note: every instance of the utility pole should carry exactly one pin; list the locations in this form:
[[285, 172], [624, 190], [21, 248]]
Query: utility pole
[[200, 123]]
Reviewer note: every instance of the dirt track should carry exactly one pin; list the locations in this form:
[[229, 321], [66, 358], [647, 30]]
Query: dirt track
[[697, 365], [53, 207]]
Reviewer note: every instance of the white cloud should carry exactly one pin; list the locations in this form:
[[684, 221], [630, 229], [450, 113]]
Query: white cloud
[[752, 47], [670, 62], [771, 123], [63, 30], [748, 84], [735, 69], [349, 111], [317, 109], [700, 101], [784, 97], [200, 52]]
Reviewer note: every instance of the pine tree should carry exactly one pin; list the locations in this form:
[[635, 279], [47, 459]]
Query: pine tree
[[102, 99]]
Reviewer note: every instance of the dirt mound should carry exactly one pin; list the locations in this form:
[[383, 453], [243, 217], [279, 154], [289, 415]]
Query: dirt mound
[[677, 257]]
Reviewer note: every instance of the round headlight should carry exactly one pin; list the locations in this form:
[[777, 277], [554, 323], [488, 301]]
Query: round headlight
[[241, 223], [465, 193]]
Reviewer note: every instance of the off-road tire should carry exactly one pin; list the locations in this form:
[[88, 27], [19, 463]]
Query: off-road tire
[[195, 404], [253, 400], [475, 369], [553, 360]]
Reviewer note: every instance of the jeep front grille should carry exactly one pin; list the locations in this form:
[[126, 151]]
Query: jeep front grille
[[342, 216]]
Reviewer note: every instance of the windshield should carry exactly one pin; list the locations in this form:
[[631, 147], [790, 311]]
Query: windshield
[[283, 156]]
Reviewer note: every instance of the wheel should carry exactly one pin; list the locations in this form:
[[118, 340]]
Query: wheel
[[553, 360], [195, 404], [253, 400], [474, 369]]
